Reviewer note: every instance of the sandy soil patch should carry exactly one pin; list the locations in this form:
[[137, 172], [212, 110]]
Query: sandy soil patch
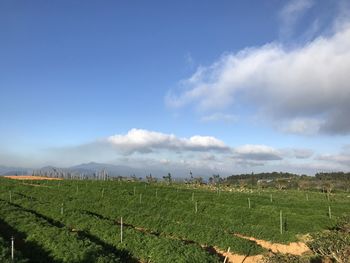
[[294, 248], [236, 258], [30, 177]]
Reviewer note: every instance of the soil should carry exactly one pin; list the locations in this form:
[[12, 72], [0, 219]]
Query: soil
[[30, 177], [236, 258], [294, 248]]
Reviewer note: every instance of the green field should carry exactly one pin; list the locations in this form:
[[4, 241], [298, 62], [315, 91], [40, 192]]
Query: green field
[[79, 221]]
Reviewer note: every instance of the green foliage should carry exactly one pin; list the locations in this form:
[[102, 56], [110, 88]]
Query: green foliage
[[162, 228]]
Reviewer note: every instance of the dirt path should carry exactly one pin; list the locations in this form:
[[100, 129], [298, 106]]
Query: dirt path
[[236, 258], [30, 177], [294, 248]]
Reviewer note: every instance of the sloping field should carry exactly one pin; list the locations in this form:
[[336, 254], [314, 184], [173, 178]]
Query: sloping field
[[110, 221]]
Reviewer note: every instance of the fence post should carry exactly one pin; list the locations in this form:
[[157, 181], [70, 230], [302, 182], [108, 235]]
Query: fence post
[[121, 229], [228, 251], [12, 248], [281, 222]]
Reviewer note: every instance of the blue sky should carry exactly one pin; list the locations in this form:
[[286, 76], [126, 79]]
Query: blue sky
[[229, 86]]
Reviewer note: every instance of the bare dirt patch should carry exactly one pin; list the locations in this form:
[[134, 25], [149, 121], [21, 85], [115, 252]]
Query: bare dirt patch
[[236, 258], [30, 177], [294, 248]]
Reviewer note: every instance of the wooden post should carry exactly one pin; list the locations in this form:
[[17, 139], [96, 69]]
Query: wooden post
[[281, 222], [12, 248], [121, 229], [249, 202], [196, 207], [103, 192], [134, 190], [329, 212], [62, 209], [228, 251], [271, 198], [307, 197]]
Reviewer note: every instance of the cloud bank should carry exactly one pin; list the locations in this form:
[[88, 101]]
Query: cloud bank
[[153, 151], [143, 141], [304, 90]]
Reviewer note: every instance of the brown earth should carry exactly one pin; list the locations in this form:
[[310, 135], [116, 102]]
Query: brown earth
[[236, 258], [294, 248], [30, 177]]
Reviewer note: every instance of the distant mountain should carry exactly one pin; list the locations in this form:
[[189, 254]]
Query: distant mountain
[[6, 170], [111, 169]]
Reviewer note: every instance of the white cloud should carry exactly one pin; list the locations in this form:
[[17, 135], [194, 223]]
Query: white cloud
[[306, 88], [257, 152], [139, 140]]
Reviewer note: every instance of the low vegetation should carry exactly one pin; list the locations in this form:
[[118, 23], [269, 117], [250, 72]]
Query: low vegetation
[[118, 221]]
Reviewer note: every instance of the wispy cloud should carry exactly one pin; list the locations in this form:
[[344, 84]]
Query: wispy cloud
[[290, 14], [257, 153]]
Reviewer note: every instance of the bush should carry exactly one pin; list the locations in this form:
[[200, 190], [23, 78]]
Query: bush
[[335, 243], [282, 258]]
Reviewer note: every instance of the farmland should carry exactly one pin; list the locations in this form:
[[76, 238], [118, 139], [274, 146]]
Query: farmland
[[116, 221]]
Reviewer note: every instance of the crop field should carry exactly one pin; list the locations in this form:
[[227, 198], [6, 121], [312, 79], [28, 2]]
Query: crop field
[[112, 221]]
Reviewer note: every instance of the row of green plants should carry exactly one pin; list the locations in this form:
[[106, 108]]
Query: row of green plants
[[162, 223], [46, 240], [198, 236], [157, 217]]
